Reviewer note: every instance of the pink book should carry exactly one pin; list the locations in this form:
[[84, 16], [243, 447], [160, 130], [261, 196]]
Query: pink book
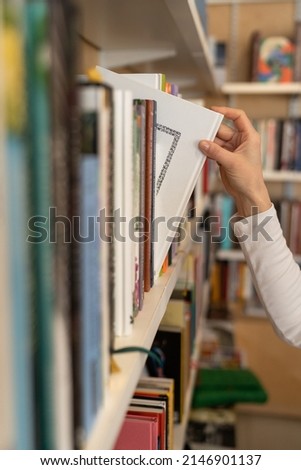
[[138, 433]]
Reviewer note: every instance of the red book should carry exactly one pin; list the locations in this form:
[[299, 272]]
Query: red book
[[156, 408], [138, 433]]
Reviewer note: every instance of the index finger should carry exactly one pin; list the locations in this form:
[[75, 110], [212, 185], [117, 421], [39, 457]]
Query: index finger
[[238, 116]]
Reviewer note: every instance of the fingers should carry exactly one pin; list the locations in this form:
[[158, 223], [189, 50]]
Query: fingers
[[238, 116], [215, 152], [225, 132]]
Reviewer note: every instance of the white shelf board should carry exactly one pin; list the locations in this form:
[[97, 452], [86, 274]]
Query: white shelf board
[[237, 255], [230, 255], [255, 88], [282, 176], [122, 384], [118, 26]]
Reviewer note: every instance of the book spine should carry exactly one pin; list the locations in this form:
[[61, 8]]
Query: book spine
[[106, 243], [128, 244], [153, 200], [90, 364], [142, 111], [14, 162], [149, 196], [136, 202], [7, 402], [37, 24], [62, 31]]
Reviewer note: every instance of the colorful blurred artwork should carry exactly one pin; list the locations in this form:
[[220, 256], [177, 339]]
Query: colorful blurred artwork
[[275, 59]]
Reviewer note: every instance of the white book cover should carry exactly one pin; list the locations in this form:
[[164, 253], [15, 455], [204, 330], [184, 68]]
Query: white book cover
[[154, 80], [180, 126]]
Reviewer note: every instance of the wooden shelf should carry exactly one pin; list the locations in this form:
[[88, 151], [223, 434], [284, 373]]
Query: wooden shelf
[[157, 36], [255, 88], [122, 384]]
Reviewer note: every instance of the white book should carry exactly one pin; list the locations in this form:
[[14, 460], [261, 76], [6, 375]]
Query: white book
[[154, 80], [180, 126], [128, 246], [123, 207], [104, 131]]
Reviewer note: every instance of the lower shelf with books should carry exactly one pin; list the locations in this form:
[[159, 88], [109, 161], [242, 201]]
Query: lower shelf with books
[[176, 342], [122, 384]]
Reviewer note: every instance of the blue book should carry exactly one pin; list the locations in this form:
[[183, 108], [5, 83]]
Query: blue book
[[17, 183], [16, 174], [90, 293], [91, 389]]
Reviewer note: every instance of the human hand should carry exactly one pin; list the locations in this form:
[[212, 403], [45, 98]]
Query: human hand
[[238, 153]]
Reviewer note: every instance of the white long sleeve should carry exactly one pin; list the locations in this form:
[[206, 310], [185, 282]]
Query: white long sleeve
[[276, 276]]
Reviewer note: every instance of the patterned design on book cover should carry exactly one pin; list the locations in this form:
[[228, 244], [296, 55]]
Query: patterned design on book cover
[[176, 138]]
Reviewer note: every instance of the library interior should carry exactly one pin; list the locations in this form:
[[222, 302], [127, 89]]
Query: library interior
[[130, 315]]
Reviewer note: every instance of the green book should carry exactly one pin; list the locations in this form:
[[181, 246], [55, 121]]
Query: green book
[[38, 86]]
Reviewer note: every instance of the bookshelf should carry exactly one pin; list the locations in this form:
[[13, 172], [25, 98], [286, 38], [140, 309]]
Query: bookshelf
[[282, 176], [256, 88], [172, 40], [171, 36], [122, 384]]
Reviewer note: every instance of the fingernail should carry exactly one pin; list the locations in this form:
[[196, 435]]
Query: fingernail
[[204, 145]]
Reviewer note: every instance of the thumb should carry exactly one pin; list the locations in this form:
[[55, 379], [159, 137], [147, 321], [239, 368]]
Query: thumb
[[215, 152]]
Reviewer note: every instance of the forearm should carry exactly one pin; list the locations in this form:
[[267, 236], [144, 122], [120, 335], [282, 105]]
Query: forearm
[[276, 275]]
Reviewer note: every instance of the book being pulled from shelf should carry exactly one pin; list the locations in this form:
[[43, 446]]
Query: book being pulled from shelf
[[180, 125]]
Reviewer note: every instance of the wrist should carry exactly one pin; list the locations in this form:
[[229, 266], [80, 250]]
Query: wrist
[[247, 206]]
